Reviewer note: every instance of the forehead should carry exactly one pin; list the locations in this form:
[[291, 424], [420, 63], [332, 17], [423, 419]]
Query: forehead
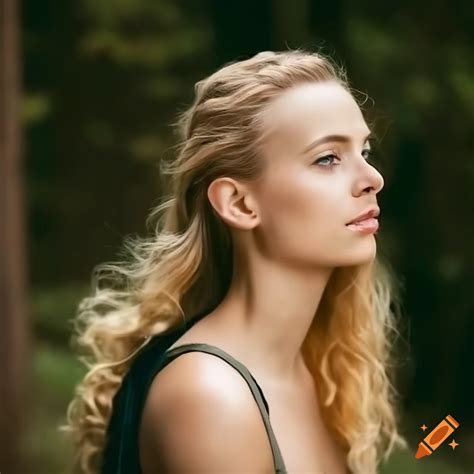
[[308, 111]]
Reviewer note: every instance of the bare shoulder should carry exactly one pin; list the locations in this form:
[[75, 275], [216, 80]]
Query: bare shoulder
[[200, 416]]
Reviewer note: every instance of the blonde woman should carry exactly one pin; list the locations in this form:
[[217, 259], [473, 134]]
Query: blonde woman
[[253, 332]]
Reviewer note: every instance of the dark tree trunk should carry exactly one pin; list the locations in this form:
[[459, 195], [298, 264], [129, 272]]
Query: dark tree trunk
[[13, 307]]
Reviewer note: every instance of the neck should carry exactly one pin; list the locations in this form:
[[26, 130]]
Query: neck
[[268, 313]]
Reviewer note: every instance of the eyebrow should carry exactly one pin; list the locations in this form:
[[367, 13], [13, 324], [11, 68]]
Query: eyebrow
[[333, 138]]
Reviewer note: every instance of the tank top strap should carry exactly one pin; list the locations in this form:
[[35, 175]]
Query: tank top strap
[[257, 392]]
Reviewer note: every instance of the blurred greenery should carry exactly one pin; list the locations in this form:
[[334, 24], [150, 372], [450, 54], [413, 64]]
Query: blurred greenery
[[56, 373], [102, 84], [54, 309]]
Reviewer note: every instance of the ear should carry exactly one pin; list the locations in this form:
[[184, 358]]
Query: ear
[[233, 202]]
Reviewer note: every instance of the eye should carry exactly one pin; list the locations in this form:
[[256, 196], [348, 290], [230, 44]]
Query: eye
[[327, 157], [369, 153], [320, 161]]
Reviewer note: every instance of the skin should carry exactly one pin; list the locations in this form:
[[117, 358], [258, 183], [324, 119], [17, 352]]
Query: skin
[[289, 229]]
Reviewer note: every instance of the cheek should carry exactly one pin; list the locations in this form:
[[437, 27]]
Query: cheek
[[297, 196], [298, 213]]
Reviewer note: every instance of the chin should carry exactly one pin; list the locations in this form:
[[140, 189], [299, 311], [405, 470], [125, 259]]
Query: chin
[[358, 256]]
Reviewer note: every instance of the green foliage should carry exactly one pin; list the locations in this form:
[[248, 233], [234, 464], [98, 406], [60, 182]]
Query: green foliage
[[55, 373], [53, 310], [150, 50], [35, 108]]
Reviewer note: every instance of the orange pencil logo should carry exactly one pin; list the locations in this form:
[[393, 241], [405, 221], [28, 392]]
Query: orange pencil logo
[[436, 437]]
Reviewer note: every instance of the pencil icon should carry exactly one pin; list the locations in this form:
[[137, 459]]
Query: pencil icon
[[436, 437]]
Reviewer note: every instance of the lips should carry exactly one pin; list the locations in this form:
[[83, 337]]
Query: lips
[[367, 227], [371, 213]]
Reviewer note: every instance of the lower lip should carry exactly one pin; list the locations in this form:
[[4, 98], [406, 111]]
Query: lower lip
[[368, 226]]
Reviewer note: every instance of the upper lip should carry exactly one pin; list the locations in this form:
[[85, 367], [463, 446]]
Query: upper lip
[[372, 212]]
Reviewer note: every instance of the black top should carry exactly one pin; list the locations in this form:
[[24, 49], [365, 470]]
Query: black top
[[121, 455]]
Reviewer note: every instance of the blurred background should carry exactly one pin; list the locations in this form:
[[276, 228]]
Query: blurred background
[[88, 91]]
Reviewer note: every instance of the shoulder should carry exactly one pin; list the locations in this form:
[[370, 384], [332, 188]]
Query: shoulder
[[204, 382], [200, 416]]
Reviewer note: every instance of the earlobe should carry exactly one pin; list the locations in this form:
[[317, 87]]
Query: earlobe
[[229, 200]]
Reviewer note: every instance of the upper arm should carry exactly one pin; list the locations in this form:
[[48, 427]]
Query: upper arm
[[200, 417]]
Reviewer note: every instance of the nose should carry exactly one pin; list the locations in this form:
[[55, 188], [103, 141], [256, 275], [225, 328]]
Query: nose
[[370, 179]]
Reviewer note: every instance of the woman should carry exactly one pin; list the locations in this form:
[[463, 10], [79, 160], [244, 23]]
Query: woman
[[266, 249]]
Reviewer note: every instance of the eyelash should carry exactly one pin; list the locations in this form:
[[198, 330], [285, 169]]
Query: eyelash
[[367, 150]]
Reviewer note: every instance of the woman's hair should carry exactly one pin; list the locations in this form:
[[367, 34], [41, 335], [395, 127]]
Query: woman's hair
[[186, 267]]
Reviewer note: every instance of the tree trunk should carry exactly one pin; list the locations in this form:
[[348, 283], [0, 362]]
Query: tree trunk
[[13, 307]]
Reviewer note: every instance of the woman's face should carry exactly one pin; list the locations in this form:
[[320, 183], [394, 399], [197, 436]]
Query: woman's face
[[309, 193]]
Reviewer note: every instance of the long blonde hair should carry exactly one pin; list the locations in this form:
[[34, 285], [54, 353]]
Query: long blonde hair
[[186, 267]]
